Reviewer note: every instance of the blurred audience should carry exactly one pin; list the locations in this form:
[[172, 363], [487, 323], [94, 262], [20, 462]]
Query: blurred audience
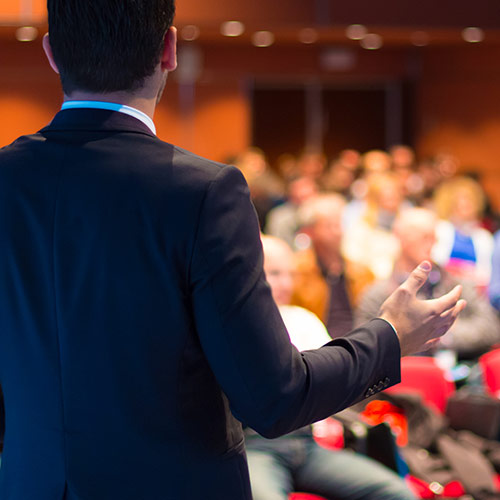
[[267, 189], [345, 238], [342, 173], [369, 240], [376, 161], [286, 167], [311, 164], [295, 461], [463, 247], [404, 166], [326, 283], [282, 221], [477, 328]]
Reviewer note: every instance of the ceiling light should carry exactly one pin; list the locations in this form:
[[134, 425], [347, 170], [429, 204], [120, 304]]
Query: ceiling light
[[190, 32], [26, 33], [308, 35], [372, 41], [263, 38], [473, 35], [356, 31], [232, 28]]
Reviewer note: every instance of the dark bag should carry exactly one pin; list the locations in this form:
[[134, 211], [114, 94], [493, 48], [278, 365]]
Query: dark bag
[[475, 412], [376, 441], [470, 466]]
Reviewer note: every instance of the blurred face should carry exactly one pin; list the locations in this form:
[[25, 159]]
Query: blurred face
[[390, 196], [465, 208], [417, 242], [278, 266], [377, 161], [326, 232], [302, 190], [402, 157], [312, 165]]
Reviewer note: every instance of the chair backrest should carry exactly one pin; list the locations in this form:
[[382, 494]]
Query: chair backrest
[[490, 366], [304, 496], [420, 374]]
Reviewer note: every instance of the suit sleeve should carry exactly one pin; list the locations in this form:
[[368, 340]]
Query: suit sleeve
[[270, 385]]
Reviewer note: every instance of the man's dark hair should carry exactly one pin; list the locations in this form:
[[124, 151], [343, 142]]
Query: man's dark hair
[[107, 45]]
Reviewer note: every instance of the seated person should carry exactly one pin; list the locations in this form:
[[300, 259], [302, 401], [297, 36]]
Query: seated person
[[295, 462], [326, 283], [282, 221], [477, 328], [369, 239], [463, 247]]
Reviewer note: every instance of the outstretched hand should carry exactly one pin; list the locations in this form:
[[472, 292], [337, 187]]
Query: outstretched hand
[[419, 323]]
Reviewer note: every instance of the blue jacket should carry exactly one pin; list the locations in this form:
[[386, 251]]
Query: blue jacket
[[136, 326]]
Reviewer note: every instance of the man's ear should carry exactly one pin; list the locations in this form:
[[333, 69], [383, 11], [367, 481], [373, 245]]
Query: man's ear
[[169, 55], [48, 52]]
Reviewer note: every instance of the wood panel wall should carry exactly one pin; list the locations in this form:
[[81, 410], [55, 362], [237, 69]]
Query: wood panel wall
[[457, 106]]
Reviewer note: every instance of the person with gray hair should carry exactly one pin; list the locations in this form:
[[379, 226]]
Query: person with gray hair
[[476, 330]]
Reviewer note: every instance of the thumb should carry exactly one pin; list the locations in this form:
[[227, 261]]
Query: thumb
[[417, 277]]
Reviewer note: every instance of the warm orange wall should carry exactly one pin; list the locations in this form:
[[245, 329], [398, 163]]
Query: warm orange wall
[[16, 10], [457, 106], [220, 126], [459, 110]]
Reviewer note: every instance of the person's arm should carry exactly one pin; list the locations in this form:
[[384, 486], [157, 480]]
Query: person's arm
[[270, 385]]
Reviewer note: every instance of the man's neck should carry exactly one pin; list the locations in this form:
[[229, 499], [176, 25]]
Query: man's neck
[[141, 102]]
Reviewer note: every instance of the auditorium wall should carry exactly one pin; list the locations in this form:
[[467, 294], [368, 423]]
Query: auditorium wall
[[456, 89]]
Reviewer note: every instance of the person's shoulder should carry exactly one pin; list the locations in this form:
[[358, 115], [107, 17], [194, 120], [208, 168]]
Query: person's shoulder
[[18, 149], [197, 168]]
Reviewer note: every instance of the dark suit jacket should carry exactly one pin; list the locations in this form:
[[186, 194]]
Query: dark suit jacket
[[136, 326]]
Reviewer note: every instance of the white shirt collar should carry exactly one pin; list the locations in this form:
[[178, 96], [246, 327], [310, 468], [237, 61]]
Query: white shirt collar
[[112, 106]]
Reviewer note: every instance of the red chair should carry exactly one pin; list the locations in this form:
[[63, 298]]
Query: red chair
[[421, 375], [304, 496], [329, 433], [490, 366]]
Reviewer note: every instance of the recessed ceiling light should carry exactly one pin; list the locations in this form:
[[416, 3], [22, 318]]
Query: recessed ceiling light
[[372, 41], [356, 31], [190, 32], [232, 28], [26, 33], [420, 38], [308, 35], [263, 38], [473, 34]]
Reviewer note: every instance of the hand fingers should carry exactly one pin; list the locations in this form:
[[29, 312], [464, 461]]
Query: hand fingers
[[430, 343], [454, 311], [418, 277], [447, 318], [447, 301]]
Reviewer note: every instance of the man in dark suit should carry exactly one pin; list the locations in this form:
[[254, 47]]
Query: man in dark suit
[[136, 327]]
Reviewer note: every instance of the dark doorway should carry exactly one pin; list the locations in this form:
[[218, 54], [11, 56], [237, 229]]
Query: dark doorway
[[279, 120], [355, 119], [359, 117]]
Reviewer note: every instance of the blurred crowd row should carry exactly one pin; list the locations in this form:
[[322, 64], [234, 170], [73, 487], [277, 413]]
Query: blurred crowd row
[[363, 221]]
